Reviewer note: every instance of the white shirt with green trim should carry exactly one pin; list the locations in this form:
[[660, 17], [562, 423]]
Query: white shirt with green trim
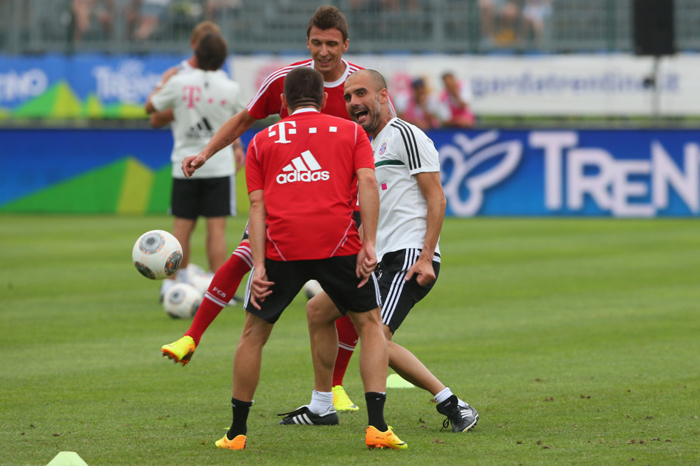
[[402, 150], [202, 101]]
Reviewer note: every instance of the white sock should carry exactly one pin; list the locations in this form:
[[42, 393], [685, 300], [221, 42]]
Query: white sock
[[443, 395], [183, 277], [320, 402]]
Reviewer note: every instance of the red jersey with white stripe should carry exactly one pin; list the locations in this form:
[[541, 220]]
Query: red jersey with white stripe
[[267, 101], [306, 164]]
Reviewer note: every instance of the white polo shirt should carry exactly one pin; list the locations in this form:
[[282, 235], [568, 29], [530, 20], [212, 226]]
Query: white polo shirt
[[402, 150]]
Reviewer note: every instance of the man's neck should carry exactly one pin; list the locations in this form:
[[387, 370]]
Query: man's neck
[[386, 118], [334, 74]]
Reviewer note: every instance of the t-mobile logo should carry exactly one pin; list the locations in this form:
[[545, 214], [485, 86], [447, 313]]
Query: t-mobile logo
[[282, 129]]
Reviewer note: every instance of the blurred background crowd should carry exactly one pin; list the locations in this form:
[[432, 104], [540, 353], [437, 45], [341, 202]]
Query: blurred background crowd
[[475, 26]]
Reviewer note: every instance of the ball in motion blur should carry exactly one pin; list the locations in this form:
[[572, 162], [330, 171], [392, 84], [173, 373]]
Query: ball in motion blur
[[312, 288], [181, 301], [157, 254]]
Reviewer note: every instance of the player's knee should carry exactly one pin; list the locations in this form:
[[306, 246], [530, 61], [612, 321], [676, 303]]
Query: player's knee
[[315, 314]]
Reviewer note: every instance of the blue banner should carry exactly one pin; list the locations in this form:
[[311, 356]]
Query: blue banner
[[620, 173], [611, 173]]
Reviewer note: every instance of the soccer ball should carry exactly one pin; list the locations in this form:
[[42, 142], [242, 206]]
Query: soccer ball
[[181, 301], [312, 288], [157, 254], [199, 278]]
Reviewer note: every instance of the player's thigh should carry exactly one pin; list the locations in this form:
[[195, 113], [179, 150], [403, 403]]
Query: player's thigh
[[289, 278], [339, 280]]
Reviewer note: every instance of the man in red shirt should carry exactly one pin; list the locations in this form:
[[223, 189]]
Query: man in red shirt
[[300, 190], [327, 40]]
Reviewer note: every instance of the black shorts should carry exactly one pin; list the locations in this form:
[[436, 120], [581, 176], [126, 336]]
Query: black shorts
[[357, 217], [336, 275], [398, 295], [205, 197], [246, 232]]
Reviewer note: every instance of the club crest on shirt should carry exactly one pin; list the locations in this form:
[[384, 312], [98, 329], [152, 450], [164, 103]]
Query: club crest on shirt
[[382, 148]]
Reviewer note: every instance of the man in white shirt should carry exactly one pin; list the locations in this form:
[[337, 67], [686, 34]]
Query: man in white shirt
[[202, 100], [411, 211]]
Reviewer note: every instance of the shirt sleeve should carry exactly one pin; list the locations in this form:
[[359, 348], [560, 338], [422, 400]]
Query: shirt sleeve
[[253, 168], [416, 150], [164, 99], [267, 100], [427, 153]]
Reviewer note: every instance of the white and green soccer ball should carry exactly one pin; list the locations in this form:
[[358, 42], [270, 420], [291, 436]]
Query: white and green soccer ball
[[157, 254], [181, 301]]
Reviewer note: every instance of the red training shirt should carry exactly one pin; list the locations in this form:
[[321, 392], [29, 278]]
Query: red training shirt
[[267, 101], [306, 164]]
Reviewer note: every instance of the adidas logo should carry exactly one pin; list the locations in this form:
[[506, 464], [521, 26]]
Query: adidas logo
[[201, 130], [305, 168]]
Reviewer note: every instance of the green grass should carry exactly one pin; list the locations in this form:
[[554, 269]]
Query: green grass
[[577, 340]]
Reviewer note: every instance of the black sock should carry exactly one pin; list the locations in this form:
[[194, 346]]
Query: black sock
[[239, 426], [375, 410]]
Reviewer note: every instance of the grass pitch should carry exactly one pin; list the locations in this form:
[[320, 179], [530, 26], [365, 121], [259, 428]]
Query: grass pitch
[[577, 340]]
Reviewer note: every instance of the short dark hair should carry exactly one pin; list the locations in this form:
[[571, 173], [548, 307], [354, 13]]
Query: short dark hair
[[303, 86], [203, 28], [328, 17], [211, 52]]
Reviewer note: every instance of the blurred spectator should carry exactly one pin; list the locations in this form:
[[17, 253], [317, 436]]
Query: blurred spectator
[[219, 10], [502, 12], [375, 6], [455, 98], [88, 12], [149, 15], [419, 107], [535, 13]]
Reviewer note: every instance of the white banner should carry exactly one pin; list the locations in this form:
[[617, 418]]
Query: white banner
[[554, 85]]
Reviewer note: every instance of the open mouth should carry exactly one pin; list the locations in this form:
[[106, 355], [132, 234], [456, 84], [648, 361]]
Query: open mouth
[[361, 115]]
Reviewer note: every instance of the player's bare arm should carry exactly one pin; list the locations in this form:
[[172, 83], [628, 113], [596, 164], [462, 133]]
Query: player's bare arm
[[160, 119], [260, 286], [368, 191], [238, 154], [225, 136], [430, 186]]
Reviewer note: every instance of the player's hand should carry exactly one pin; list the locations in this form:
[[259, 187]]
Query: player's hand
[[259, 287], [239, 157], [192, 163], [366, 263], [424, 272]]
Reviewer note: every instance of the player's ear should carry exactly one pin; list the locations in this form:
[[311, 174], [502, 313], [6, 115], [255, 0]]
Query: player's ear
[[285, 104], [325, 99], [346, 45], [383, 95]]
